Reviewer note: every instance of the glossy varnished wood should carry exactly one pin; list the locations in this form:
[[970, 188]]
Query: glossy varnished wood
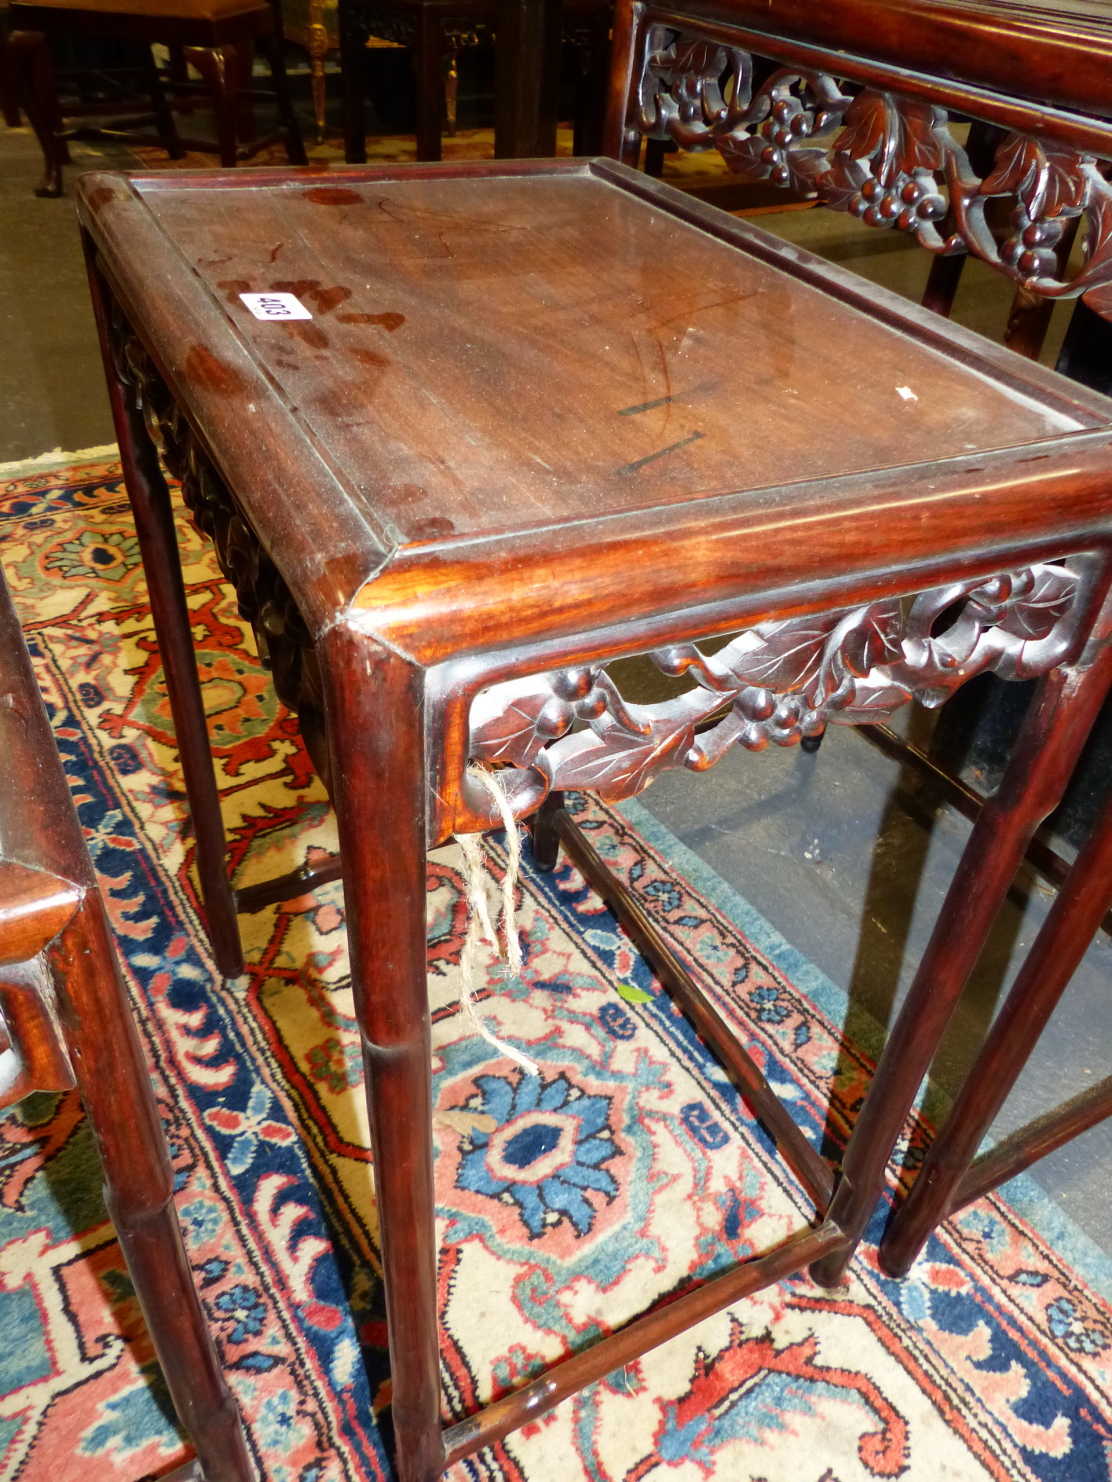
[[949, 1179], [67, 1021], [545, 415]]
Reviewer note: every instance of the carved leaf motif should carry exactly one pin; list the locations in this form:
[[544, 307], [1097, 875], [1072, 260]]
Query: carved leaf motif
[[1035, 615], [874, 640], [743, 156], [697, 58], [1015, 160], [778, 656], [616, 764], [1098, 250], [511, 735], [866, 127], [873, 704], [841, 182], [921, 148], [805, 166], [1048, 182]]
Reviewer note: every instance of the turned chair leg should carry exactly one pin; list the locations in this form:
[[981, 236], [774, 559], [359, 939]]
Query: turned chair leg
[[38, 94], [379, 795], [1054, 732], [219, 67], [115, 1088], [154, 527]]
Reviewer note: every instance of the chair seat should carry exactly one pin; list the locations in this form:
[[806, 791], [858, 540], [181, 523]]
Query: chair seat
[[176, 10]]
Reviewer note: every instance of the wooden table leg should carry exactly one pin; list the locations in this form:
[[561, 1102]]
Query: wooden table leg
[[154, 526], [376, 726], [115, 1088], [1061, 715], [1065, 935]]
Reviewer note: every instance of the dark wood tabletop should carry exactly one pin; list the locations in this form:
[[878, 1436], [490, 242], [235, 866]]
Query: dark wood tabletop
[[569, 348]]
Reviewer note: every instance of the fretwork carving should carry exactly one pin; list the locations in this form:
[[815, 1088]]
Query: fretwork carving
[[264, 600], [893, 161], [778, 682]]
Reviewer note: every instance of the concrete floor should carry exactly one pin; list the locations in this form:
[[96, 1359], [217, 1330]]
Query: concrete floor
[[848, 859]]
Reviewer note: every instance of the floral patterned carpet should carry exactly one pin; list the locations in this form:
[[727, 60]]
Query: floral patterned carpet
[[567, 1202]]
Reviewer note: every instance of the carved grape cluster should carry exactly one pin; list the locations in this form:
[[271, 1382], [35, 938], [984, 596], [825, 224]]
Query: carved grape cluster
[[894, 163], [776, 683], [904, 204], [787, 124]]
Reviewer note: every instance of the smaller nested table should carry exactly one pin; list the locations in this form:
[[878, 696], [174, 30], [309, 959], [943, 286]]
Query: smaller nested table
[[64, 1022], [505, 423]]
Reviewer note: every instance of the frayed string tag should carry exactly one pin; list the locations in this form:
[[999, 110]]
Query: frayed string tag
[[480, 927]]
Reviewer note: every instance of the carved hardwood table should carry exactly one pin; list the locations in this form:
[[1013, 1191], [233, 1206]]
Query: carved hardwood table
[[65, 1021], [535, 417]]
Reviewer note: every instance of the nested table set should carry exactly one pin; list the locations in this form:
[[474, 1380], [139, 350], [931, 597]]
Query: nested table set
[[532, 418], [65, 1022]]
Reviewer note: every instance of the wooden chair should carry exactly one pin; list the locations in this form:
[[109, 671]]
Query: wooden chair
[[217, 36], [65, 1021], [435, 30]]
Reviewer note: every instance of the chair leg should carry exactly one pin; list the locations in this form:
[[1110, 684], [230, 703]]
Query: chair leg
[[115, 1087], [274, 50], [246, 130], [167, 128], [427, 54], [351, 85], [154, 526], [9, 106], [219, 68], [1057, 725], [379, 795], [1070, 926], [38, 94]]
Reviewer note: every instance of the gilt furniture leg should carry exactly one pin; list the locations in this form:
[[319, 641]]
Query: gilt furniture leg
[[154, 526], [1073, 920], [115, 1088], [375, 713], [1061, 715]]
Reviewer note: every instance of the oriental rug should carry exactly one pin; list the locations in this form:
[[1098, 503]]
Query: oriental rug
[[567, 1202]]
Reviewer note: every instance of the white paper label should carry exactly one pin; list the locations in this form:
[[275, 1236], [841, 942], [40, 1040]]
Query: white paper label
[[275, 306]]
